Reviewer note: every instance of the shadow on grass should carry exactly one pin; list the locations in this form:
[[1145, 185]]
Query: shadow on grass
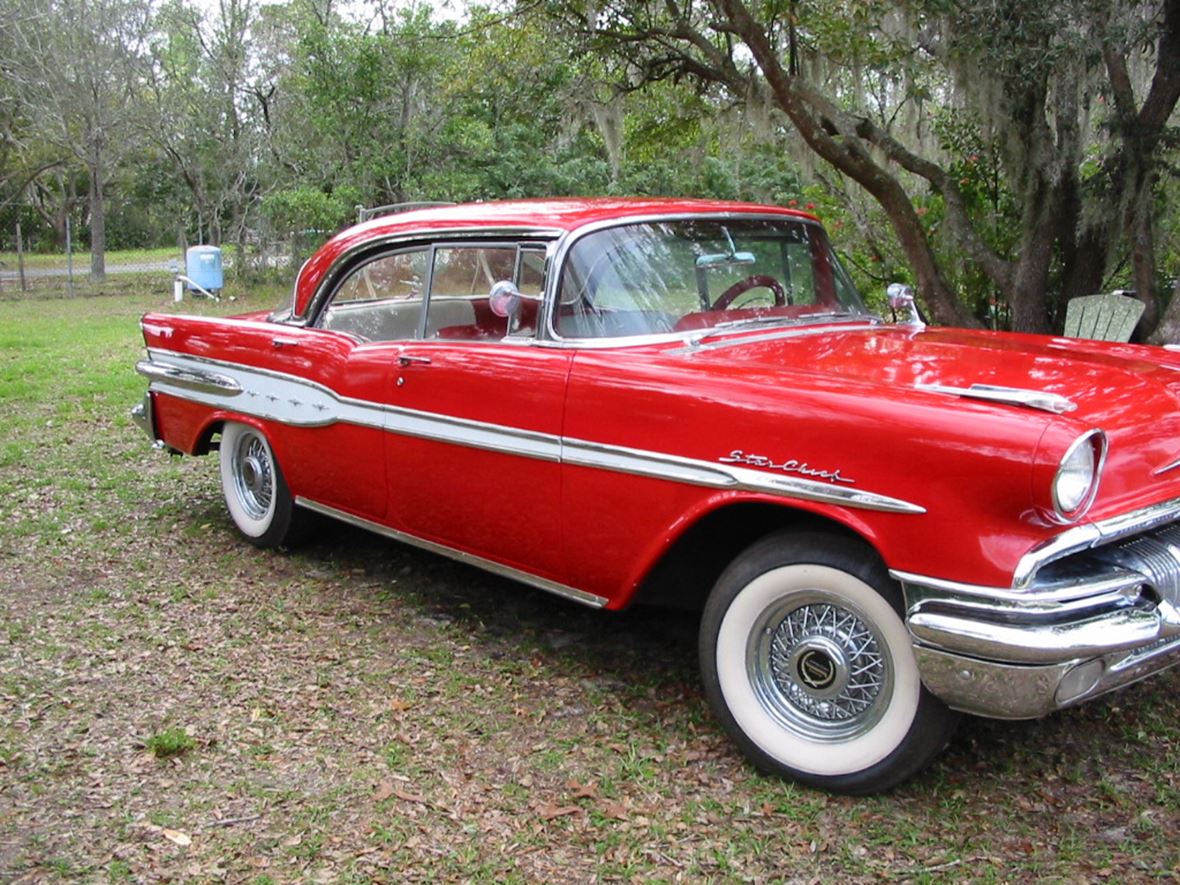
[[646, 658]]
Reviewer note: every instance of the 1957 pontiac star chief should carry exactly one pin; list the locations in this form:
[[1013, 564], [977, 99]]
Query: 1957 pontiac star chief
[[686, 402]]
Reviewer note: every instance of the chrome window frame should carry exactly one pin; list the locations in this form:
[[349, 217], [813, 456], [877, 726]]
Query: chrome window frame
[[547, 332], [345, 262], [537, 240]]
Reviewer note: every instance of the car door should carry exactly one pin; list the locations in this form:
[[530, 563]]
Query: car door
[[473, 449]]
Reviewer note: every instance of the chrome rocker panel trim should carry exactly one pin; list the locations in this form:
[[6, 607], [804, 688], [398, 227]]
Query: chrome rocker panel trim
[[571, 593]]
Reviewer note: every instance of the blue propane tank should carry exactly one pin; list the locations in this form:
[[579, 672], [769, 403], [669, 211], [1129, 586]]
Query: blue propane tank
[[203, 267]]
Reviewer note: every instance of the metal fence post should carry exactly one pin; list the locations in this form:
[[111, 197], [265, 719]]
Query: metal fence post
[[20, 258], [69, 257]]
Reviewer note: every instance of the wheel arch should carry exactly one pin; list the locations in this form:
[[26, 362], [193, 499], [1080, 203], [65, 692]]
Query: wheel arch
[[686, 568]]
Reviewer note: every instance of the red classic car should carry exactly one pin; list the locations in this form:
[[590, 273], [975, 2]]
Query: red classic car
[[687, 403]]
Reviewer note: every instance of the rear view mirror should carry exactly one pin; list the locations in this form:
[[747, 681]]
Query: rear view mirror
[[902, 303], [725, 259]]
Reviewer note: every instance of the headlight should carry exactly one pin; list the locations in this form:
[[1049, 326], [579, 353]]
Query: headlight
[[1077, 477]]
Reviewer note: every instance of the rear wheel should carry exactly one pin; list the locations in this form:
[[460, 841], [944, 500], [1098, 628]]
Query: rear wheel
[[808, 664], [256, 492]]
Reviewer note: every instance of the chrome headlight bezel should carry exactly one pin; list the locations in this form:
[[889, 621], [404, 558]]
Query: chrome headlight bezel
[[1082, 461]]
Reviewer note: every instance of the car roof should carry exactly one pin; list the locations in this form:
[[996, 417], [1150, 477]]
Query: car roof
[[544, 216]]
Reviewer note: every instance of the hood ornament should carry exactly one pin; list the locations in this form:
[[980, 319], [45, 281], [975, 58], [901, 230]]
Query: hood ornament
[[1015, 396]]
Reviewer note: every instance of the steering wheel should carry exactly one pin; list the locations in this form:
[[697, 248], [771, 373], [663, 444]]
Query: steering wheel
[[755, 282]]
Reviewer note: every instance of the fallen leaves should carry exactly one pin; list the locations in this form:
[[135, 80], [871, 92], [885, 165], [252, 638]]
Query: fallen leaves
[[593, 757], [180, 838]]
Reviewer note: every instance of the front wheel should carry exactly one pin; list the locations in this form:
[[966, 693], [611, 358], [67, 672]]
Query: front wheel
[[807, 663], [256, 492]]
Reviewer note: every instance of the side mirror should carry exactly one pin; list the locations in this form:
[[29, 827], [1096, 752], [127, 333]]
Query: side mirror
[[504, 300], [901, 301]]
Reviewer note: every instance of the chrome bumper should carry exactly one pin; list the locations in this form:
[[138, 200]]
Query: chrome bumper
[[1093, 620], [145, 419], [141, 414]]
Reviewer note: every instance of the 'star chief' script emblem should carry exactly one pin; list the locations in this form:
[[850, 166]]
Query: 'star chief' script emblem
[[802, 468]]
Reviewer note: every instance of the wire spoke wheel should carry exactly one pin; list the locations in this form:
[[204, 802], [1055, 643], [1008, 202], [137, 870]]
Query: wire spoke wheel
[[256, 492], [808, 664], [253, 475], [819, 668]]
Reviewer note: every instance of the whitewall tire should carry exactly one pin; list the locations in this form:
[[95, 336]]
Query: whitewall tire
[[808, 664], [256, 492]]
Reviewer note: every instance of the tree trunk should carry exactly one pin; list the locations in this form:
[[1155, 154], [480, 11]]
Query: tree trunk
[[1168, 331], [846, 154], [98, 223]]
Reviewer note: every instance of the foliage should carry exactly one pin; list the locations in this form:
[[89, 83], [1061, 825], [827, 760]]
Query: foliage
[[1003, 156], [306, 209], [170, 742]]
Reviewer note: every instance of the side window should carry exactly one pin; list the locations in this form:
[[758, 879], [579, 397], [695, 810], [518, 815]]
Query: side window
[[462, 278], [382, 299]]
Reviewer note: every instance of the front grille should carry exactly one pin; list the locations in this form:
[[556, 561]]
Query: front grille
[[1155, 555]]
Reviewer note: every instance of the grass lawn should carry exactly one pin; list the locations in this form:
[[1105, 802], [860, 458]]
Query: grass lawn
[[82, 259], [178, 706]]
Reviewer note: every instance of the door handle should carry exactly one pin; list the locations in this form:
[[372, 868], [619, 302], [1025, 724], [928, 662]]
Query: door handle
[[406, 359], [280, 343]]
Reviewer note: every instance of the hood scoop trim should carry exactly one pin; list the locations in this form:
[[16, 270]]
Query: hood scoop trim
[[1014, 396]]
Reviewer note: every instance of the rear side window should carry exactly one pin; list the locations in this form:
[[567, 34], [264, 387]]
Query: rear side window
[[440, 291]]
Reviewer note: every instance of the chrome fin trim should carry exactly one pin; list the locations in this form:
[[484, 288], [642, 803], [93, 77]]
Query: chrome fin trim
[[1015, 396], [571, 593], [298, 402], [188, 378]]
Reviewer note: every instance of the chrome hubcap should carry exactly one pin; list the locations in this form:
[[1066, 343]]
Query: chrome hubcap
[[253, 478], [819, 668]]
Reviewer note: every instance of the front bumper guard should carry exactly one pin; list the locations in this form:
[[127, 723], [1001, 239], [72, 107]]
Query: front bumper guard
[[1093, 622]]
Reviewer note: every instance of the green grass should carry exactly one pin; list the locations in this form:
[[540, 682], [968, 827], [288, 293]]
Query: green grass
[[81, 260], [170, 742]]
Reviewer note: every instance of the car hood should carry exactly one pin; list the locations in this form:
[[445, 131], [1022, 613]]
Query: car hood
[[1107, 383], [1131, 392]]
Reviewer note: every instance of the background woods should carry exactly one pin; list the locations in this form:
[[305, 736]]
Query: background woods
[[1004, 156]]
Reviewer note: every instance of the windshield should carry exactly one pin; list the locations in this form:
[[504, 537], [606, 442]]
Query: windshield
[[678, 276]]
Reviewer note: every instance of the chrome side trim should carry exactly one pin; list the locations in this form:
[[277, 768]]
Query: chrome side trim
[[1159, 471], [1109, 588], [703, 473], [189, 378], [1093, 534], [851, 324], [1016, 396], [571, 593], [296, 401]]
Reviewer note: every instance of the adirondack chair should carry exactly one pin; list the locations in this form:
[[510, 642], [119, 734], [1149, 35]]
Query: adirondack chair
[[1110, 316]]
